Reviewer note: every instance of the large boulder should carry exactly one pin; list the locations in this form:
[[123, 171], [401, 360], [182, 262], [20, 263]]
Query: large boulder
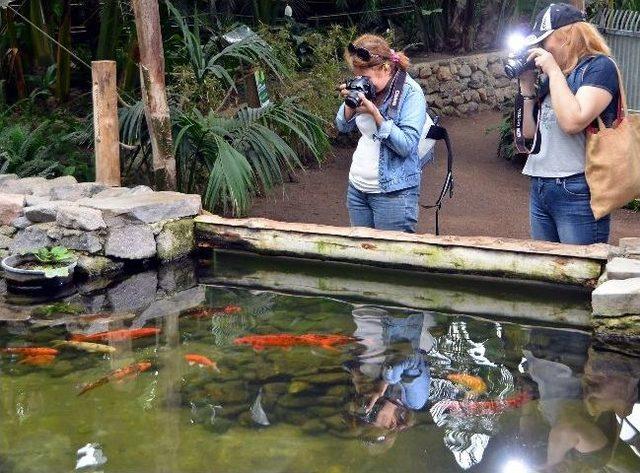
[[31, 238], [175, 239], [93, 266], [45, 212], [131, 242], [617, 297], [81, 218], [147, 207], [76, 192], [123, 191], [11, 207]]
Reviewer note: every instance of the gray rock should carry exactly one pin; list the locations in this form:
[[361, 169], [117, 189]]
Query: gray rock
[[81, 241], [22, 186], [31, 238], [13, 314], [21, 223], [45, 212], [7, 230], [123, 191], [5, 241], [176, 239], [131, 242], [77, 191], [623, 268], [134, 293], [11, 207], [45, 188], [82, 218], [8, 177], [617, 297], [31, 200], [93, 266], [172, 305], [630, 247], [465, 71], [148, 208], [176, 276]]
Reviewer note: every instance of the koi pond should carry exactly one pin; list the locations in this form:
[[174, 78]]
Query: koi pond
[[164, 371]]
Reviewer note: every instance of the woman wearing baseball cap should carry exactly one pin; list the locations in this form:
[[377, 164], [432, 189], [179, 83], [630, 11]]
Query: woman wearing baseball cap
[[579, 84]]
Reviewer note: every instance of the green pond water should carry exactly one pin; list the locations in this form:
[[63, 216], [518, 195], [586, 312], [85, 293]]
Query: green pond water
[[531, 395]]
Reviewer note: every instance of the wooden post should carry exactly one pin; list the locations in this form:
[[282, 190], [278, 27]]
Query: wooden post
[[105, 122], [154, 95]]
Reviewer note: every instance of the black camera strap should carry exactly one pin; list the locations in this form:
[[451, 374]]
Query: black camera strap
[[518, 128], [395, 93]]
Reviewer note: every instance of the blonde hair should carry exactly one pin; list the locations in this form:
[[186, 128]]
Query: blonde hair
[[376, 45], [580, 40]]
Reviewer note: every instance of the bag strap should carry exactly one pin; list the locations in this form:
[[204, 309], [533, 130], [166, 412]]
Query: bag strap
[[623, 109]]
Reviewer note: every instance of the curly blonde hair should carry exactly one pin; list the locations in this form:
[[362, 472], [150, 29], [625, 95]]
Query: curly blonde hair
[[379, 47], [580, 40]]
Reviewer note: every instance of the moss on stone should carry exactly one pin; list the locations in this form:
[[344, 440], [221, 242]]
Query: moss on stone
[[176, 239], [93, 266]]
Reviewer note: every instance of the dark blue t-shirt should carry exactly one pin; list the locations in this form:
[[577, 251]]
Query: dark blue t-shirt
[[595, 71]]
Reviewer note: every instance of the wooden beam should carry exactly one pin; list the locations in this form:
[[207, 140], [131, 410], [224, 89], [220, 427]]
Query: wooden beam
[[518, 259], [105, 122], [154, 95]]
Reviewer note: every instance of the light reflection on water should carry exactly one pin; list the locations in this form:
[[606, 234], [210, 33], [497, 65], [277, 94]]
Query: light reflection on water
[[524, 398]]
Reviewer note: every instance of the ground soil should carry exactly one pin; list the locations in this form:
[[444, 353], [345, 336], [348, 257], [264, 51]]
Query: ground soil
[[490, 196]]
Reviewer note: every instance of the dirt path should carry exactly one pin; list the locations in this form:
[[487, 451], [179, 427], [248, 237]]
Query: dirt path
[[490, 197]]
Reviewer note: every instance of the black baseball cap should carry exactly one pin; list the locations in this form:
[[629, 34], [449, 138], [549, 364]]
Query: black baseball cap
[[551, 18]]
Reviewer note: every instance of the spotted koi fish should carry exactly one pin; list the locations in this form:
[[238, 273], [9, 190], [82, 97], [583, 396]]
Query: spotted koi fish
[[118, 375], [491, 406], [284, 340], [85, 346], [37, 360], [206, 312], [201, 361], [115, 335]]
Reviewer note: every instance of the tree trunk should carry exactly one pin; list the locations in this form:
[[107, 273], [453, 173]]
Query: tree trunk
[[154, 94], [41, 46], [105, 122], [109, 30], [63, 59]]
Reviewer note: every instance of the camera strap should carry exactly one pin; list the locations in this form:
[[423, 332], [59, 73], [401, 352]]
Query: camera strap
[[395, 93], [518, 128]]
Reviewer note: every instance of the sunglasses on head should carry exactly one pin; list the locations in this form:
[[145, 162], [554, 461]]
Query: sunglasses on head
[[360, 52]]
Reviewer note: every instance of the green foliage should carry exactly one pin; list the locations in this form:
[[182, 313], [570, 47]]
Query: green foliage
[[50, 310], [32, 145], [53, 255], [633, 205]]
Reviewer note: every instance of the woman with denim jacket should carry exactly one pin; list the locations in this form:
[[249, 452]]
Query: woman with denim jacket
[[580, 83], [384, 179]]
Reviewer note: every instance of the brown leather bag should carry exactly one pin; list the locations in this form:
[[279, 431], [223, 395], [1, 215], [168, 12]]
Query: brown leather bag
[[613, 160]]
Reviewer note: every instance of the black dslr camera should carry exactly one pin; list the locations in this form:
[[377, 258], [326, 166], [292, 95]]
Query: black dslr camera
[[517, 64], [355, 86]]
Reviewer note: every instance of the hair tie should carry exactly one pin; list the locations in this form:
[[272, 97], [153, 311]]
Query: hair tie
[[395, 57]]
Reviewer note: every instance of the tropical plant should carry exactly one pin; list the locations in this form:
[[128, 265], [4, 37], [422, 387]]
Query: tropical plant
[[53, 255]]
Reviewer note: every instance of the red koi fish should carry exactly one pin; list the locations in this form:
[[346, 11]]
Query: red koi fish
[[30, 351], [285, 340], [201, 361], [116, 335], [206, 312], [493, 406], [118, 375], [37, 360]]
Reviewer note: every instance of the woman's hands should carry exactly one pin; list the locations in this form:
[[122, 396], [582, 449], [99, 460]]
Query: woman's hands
[[543, 60], [366, 106]]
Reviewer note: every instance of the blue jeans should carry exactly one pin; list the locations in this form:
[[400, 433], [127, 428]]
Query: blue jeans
[[386, 211], [559, 211]]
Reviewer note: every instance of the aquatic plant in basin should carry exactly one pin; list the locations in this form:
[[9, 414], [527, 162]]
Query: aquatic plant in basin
[[40, 268]]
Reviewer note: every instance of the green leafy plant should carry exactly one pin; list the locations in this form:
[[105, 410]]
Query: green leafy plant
[[54, 255], [633, 205], [50, 310]]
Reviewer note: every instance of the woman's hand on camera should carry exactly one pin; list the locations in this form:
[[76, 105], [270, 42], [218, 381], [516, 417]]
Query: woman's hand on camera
[[342, 89], [528, 83], [543, 59]]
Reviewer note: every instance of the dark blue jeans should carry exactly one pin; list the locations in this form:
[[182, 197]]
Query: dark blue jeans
[[386, 211], [559, 211]]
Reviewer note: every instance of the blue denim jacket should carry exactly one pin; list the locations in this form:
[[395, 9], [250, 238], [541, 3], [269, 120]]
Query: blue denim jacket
[[399, 166]]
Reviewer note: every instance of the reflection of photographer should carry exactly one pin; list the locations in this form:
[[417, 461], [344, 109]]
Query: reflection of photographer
[[389, 109], [579, 84]]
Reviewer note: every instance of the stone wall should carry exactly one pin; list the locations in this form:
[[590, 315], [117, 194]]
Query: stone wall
[[105, 226], [462, 85]]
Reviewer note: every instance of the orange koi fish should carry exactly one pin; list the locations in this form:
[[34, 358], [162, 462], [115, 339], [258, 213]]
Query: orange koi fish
[[30, 351], [118, 375], [493, 406], [475, 384], [37, 360], [116, 335], [285, 340], [201, 361]]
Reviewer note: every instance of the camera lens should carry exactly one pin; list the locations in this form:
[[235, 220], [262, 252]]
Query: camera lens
[[352, 100]]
